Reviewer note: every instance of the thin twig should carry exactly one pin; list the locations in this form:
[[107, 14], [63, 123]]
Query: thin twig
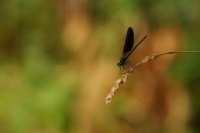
[[179, 52], [125, 74]]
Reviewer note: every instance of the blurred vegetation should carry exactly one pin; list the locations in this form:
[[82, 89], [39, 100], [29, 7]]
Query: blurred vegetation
[[58, 61]]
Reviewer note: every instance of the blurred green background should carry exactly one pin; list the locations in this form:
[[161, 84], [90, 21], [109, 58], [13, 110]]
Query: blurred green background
[[58, 63]]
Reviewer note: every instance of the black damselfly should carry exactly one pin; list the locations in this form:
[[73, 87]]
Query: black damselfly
[[128, 45]]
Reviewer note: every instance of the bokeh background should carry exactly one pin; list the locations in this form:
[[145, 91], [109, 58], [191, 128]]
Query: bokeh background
[[58, 63]]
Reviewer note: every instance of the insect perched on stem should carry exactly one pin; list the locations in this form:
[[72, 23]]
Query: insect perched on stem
[[128, 45]]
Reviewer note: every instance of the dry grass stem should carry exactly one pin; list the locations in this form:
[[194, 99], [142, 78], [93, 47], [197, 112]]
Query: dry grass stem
[[121, 80], [125, 74]]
